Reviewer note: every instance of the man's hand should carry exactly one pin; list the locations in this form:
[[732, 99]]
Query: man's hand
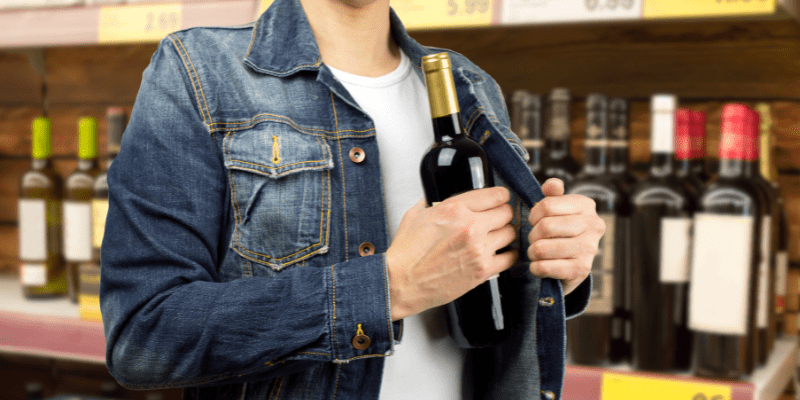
[[565, 236], [444, 251]]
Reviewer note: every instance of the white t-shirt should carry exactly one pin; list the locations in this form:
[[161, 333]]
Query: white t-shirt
[[427, 364]]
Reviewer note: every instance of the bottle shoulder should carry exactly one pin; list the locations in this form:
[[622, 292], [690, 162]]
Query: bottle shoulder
[[731, 195], [662, 191]]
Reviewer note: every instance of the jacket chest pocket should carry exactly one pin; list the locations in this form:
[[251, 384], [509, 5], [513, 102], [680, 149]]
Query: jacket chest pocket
[[280, 189]]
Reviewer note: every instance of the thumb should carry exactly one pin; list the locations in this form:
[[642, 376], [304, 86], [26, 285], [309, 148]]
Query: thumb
[[553, 187]]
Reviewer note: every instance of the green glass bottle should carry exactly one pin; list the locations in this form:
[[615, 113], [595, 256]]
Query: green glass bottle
[[42, 271], [77, 203]]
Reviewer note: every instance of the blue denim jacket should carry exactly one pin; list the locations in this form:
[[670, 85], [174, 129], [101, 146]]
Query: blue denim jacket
[[231, 263]]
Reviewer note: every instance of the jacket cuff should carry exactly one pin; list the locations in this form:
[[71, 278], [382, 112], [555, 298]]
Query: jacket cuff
[[576, 301], [360, 308]]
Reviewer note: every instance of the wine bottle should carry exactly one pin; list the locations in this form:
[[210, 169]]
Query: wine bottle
[[725, 260], [77, 204], [660, 230], [557, 162], [42, 271], [526, 122], [619, 143], [456, 164], [589, 336], [770, 174], [116, 122], [765, 316], [619, 167], [685, 150]]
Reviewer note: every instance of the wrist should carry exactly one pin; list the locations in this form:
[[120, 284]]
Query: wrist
[[397, 293]]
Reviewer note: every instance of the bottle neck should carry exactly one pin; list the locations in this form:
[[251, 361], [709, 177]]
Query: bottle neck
[[661, 164], [41, 163], [110, 159], [447, 128], [751, 169], [683, 167], [731, 167], [557, 148], [618, 159], [595, 160], [87, 164]]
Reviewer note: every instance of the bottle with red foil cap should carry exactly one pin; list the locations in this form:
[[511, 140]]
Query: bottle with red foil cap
[[697, 164], [684, 150], [724, 261], [765, 312]]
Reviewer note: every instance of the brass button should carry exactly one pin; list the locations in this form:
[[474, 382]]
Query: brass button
[[546, 301], [366, 249], [360, 340], [549, 395], [357, 155]]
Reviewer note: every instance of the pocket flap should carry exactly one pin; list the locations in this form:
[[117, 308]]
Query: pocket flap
[[276, 150]]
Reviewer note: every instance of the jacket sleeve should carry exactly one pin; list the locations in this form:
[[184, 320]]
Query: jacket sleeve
[[169, 319]]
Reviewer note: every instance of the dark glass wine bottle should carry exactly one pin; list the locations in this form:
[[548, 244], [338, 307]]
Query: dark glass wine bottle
[[526, 122], [770, 173], [589, 336], [725, 260], [765, 312], [619, 167], [42, 271], [685, 151], [660, 229], [456, 164], [116, 121], [698, 167], [557, 161], [77, 207]]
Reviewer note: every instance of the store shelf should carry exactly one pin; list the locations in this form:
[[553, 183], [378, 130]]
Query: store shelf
[[621, 383], [46, 327], [139, 22]]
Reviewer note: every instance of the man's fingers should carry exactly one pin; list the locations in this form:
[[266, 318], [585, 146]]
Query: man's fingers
[[482, 199], [502, 237], [553, 187], [569, 204], [568, 270], [560, 248], [504, 261], [563, 226]]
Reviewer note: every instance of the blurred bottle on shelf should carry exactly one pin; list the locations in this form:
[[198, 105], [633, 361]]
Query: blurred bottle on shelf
[[619, 143], [77, 208], [687, 154], [526, 122], [660, 230], [34, 391], [765, 312], [590, 335], [770, 173], [42, 271], [557, 161], [725, 259]]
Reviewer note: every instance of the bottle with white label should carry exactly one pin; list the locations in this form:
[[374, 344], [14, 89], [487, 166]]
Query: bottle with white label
[[765, 314], [590, 335], [725, 260], [661, 224], [42, 271], [77, 206]]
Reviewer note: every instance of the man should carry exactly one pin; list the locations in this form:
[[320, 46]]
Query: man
[[266, 236]]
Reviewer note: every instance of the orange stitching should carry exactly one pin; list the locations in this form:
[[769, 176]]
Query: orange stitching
[[336, 387], [318, 354], [333, 283], [288, 119], [280, 385], [240, 247], [191, 78], [344, 185], [364, 356], [252, 40], [234, 199], [316, 64], [295, 126], [210, 120], [282, 166], [480, 78]]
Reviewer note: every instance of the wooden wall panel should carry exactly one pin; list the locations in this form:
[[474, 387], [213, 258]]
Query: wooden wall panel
[[20, 85]]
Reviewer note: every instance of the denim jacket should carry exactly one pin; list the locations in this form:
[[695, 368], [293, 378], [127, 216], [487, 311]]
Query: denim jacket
[[245, 238]]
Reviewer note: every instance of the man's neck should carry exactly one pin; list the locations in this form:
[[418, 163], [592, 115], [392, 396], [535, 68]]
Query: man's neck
[[354, 38]]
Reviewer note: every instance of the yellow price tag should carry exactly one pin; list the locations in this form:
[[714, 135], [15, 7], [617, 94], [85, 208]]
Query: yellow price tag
[[263, 6], [145, 23], [706, 8], [630, 387], [431, 14]]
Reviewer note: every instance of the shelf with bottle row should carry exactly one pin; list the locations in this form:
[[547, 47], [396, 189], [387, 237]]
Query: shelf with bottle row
[[46, 327], [78, 22], [620, 382]]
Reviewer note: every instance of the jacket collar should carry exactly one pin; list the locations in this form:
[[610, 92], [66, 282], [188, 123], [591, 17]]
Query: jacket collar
[[283, 42]]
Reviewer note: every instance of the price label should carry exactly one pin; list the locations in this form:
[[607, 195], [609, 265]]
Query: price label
[[263, 6], [145, 23], [706, 8], [630, 387], [545, 11], [430, 14]]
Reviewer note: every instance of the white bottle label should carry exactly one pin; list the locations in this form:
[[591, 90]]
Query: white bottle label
[[781, 273], [719, 295], [675, 249], [33, 274], [77, 231], [602, 297], [32, 230], [763, 274]]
